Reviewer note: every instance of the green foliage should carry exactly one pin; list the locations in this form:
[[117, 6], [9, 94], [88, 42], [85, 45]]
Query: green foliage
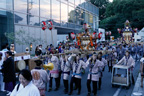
[[118, 11]]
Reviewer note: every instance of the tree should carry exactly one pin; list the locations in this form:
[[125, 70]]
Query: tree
[[119, 11], [101, 4]]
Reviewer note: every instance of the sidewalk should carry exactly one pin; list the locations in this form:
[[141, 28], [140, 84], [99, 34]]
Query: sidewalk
[[138, 91]]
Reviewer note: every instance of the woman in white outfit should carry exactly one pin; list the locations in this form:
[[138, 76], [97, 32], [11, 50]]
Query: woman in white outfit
[[26, 87]]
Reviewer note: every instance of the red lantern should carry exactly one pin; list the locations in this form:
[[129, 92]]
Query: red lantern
[[72, 35], [50, 25], [94, 35], [44, 25], [100, 35], [119, 30], [109, 32], [135, 30]]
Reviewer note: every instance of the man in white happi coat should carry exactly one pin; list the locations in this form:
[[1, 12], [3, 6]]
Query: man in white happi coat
[[54, 73], [77, 73], [95, 66], [65, 68]]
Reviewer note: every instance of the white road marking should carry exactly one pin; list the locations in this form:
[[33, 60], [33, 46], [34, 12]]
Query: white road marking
[[117, 92]]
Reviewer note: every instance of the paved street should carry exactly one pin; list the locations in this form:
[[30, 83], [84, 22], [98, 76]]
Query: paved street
[[106, 89]]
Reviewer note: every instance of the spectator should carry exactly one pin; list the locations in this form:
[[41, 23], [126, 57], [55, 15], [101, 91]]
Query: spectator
[[37, 51], [40, 77], [25, 87], [8, 71]]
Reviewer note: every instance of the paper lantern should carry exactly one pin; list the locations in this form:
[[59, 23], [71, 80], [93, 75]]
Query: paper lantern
[[109, 32], [100, 35], [135, 30], [94, 35], [50, 25], [44, 25], [72, 35]]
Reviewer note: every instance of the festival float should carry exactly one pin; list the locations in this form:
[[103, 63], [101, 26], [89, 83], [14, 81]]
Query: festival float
[[86, 40], [127, 33]]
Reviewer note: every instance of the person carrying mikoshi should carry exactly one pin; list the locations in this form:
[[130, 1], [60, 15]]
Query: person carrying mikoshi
[[54, 73], [65, 68], [40, 77], [95, 66], [100, 73], [128, 60], [142, 70], [77, 66]]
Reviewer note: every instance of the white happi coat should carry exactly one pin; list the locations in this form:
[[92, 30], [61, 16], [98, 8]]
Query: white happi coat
[[81, 65], [104, 61], [29, 90], [55, 72], [65, 68], [94, 72], [130, 62], [40, 78]]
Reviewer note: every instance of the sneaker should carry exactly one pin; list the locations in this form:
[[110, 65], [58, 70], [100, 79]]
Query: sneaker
[[88, 94]]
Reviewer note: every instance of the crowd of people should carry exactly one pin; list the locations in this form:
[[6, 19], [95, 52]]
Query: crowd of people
[[68, 67]]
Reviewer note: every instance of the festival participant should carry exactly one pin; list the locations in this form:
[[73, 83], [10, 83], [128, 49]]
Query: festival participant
[[77, 75], [40, 77], [37, 51], [25, 87], [142, 70], [133, 51], [100, 73], [8, 71], [65, 67], [120, 52], [54, 73], [95, 66], [112, 59], [127, 60], [141, 50]]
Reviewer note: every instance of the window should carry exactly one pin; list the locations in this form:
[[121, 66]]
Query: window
[[20, 5], [45, 8], [77, 2], [64, 12], [6, 4], [71, 15], [34, 20], [55, 10], [71, 1], [33, 7], [20, 18]]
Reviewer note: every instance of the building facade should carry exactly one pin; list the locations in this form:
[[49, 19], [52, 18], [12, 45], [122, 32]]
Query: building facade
[[20, 20]]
